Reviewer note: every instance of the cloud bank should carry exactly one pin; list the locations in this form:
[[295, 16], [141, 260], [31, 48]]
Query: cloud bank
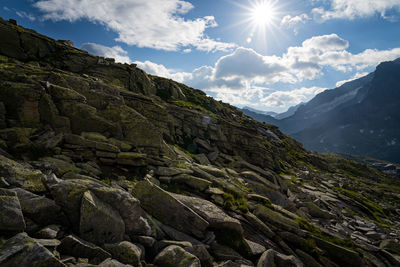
[[157, 24]]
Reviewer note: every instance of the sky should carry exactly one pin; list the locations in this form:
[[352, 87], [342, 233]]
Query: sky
[[265, 54]]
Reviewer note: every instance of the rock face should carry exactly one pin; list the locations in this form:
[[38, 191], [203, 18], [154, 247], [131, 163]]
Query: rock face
[[169, 210], [176, 256], [102, 164], [99, 222], [11, 218], [21, 250]]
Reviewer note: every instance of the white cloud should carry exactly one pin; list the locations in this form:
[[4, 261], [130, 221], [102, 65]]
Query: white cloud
[[157, 24], [23, 14], [293, 22], [351, 9], [245, 77], [161, 70], [282, 99], [116, 52], [355, 77]]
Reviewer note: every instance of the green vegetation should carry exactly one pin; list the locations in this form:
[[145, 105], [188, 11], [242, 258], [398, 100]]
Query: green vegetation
[[184, 151], [232, 202], [316, 231]]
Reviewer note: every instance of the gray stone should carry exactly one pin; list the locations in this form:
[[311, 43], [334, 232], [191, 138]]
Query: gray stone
[[74, 246], [165, 207], [11, 218], [23, 251], [40, 209], [391, 245], [191, 181], [174, 256], [125, 252], [99, 222]]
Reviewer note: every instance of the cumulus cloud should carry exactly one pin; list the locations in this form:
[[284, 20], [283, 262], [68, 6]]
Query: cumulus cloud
[[116, 52], [247, 64], [161, 70], [157, 24], [294, 22], [282, 99], [245, 77], [351, 9]]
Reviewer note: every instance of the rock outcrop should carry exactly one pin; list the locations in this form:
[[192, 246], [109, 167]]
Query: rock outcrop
[[102, 164]]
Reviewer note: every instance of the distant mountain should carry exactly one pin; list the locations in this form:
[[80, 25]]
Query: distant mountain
[[269, 113], [259, 116], [360, 117]]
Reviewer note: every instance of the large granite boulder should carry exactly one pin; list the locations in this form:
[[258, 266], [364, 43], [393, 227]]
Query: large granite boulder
[[99, 222], [174, 256], [125, 252], [40, 209], [11, 218], [165, 207], [23, 251], [74, 246], [21, 175]]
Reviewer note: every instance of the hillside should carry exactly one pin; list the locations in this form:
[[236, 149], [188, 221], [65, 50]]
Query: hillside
[[358, 118], [104, 165]]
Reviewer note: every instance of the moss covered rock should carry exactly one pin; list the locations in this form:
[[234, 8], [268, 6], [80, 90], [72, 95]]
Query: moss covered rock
[[99, 222], [125, 252], [174, 256], [21, 250], [11, 218], [168, 209]]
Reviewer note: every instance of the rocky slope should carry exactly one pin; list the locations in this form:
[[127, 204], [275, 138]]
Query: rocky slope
[[104, 165]]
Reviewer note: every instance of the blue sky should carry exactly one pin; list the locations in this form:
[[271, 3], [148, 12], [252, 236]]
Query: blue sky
[[266, 54]]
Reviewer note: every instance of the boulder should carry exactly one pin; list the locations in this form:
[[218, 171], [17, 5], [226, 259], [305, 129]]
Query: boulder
[[174, 256], [74, 246], [255, 248], [49, 232], [316, 211], [23, 251], [271, 258], [191, 181], [211, 213], [202, 159], [391, 245], [21, 175], [125, 252], [112, 263], [99, 222], [11, 218], [131, 159], [166, 208], [340, 254], [257, 178], [275, 218], [68, 195], [171, 171], [40, 209]]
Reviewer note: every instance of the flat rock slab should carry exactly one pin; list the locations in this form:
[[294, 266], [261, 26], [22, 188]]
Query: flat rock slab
[[174, 256], [211, 213], [165, 207], [74, 246], [21, 250], [99, 222], [20, 175], [11, 218]]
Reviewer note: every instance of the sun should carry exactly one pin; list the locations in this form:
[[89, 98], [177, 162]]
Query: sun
[[263, 13]]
